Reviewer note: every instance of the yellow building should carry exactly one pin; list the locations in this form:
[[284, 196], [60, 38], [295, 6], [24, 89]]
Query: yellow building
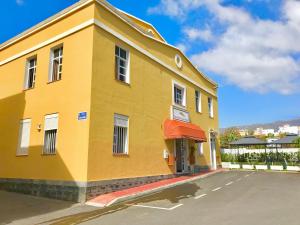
[[94, 100]]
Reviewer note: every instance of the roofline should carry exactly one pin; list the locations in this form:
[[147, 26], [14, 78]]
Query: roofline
[[128, 14], [109, 7], [46, 22], [117, 13]]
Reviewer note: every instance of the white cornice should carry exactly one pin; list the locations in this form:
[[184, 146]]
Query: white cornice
[[114, 33]]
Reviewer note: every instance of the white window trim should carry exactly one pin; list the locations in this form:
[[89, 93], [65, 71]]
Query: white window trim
[[181, 86], [49, 116], [126, 152], [211, 112], [127, 78], [200, 148], [27, 65], [199, 102], [50, 79], [25, 151]]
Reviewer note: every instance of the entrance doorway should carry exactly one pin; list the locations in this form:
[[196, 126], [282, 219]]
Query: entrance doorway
[[213, 157], [181, 155]]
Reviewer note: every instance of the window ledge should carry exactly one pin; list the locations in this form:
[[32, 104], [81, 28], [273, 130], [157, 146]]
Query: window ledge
[[54, 81], [123, 82], [121, 154], [28, 89], [49, 154], [22, 155]]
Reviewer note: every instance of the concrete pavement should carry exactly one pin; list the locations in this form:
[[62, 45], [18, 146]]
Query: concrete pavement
[[227, 198]]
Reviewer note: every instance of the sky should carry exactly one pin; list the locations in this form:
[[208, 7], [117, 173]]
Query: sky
[[251, 48]]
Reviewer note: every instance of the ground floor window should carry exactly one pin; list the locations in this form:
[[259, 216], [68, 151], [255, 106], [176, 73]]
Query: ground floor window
[[24, 137], [120, 142], [51, 127]]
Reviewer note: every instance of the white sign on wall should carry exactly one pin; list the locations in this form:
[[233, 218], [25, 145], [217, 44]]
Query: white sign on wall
[[180, 114]]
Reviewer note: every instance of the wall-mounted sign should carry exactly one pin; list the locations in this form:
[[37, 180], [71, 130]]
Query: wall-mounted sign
[[180, 114], [82, 115]]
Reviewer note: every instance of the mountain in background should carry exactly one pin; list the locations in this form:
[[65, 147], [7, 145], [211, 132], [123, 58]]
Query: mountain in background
[[273, 125]]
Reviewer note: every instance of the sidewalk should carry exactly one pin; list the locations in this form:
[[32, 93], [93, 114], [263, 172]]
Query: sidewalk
[[131, 193]]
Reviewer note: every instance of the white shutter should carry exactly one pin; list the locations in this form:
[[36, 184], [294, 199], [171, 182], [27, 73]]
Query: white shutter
[[200, 148], [24, 137], [120, 121], [51, 122]]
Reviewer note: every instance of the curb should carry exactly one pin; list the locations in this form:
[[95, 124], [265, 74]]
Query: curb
[[152, 191]]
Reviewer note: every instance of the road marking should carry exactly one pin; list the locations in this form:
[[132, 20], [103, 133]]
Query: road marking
[[155, 207], [216, 189], [247, 175], [239, 179], [200, 196], [231, 182]]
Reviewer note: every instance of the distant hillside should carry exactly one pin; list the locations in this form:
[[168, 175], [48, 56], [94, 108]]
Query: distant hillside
[[273, 125]]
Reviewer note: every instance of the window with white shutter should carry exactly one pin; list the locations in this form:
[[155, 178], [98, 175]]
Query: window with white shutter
[[24, 137], [50, 138], [120, 141]]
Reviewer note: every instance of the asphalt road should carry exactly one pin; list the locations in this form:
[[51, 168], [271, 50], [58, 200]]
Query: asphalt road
[[227, 198]]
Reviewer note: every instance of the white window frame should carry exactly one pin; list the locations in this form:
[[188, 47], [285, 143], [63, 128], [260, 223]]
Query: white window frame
[[200, 148], [116, 151], [183, 88], [50, 116], [198, 104], [127, 64], [210, 107], [27, 69], [23, 150], [61, 56]]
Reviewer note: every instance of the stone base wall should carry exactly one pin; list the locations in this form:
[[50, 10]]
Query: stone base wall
[[80, 191], [74, 191], [108, 186], [61, 190]]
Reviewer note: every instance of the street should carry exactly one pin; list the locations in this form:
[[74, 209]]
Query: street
[[227, 198]]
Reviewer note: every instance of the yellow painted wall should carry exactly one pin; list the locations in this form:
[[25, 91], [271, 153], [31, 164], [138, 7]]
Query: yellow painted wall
[[146, 101], [84, 148], [66, 97]]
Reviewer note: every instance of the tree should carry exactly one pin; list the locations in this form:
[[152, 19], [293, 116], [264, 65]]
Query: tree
[[229, 135], [297, 142]]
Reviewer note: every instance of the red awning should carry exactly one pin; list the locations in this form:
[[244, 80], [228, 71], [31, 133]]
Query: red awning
[[174, 129]]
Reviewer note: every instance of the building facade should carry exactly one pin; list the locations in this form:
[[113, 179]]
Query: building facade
[[94, 100]]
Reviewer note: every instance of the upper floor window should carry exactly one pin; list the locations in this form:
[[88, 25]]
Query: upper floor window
[[120, 142], [210, 107], [51, 127], [122, 64], [179, 94], [30, 72], [198, 101], [24, 137], [56, 64]]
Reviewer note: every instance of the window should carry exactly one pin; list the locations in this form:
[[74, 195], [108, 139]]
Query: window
[[30, 72], [122, 64], [210, 107], [24, 137], [56, 64], [51, 126], [198, 101], [199, 148], [179, 94], [120, 142]]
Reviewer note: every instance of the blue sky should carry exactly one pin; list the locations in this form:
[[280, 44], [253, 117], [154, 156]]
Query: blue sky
[[250, 47]]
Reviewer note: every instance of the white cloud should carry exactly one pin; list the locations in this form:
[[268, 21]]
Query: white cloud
[[175, 8], [194, 34], [20, 2], [252, 53], [183, 47]]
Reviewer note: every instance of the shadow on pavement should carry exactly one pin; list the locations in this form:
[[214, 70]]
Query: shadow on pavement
[[174, 195], [14, 206]]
